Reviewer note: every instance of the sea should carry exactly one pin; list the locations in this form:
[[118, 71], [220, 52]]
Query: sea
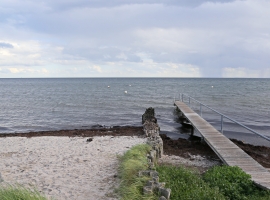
[[45, 104]]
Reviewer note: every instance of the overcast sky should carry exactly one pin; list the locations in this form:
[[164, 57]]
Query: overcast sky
[[135, 38]]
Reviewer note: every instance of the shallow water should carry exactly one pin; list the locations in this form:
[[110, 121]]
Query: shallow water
[[69, 103]]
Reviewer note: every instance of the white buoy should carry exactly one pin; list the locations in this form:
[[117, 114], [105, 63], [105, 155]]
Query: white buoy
[[212, 86], [108, 86], [126, 92]]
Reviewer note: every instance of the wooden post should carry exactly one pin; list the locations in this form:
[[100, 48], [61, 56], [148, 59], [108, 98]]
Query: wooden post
[[192, 130]]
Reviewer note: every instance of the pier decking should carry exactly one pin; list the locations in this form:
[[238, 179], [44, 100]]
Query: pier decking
[[226, 150]]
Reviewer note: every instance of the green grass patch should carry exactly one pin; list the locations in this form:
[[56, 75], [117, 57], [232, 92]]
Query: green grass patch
[[19, 192], [186, 184], [219, 182], [234, 183], [131, 163]]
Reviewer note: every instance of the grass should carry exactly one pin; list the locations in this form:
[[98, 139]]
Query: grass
[[19, 192], [234, 183], [131, 163], [220, 182], [186, 184]]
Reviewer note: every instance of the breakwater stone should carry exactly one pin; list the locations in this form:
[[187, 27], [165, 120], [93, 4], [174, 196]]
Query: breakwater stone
[[149, 115], [151, 130]]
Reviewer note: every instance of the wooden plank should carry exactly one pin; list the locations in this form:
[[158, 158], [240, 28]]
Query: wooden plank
[[241, 163], [232, 153], [220, 140], [252, 168], [240, 159]]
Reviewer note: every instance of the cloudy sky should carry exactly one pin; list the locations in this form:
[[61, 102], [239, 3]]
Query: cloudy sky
[[134, 38]]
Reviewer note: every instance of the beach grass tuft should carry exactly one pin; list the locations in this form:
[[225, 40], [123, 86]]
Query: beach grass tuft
[[131, 163], [19, 192]]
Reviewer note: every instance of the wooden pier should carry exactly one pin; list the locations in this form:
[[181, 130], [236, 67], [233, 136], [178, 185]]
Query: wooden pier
[[226, 150]]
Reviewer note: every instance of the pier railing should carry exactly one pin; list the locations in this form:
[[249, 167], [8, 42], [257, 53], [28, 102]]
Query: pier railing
[[183, 97]]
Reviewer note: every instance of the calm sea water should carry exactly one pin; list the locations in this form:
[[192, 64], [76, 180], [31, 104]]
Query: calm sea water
[[73, 103]]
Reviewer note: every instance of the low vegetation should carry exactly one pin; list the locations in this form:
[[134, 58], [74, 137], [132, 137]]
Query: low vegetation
[[186, 184], [220, 182], [234, 183], [132, 162], [18, 192]]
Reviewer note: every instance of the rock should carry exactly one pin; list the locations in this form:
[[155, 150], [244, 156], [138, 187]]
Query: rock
[[153, 156], [149, 115], [166, 192], [157, 145], [150, 184], [89, 140], [162, 198], [147, 190], [97, 126], [156, 179], [151, 129], [152, 173]]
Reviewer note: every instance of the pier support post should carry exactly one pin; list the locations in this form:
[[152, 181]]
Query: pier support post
[[192, 130]]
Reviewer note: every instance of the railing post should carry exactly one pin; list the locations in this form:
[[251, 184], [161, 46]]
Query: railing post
[[189, 101], [182, 97], [179, 96], [201, 109], [174, 99], [221, 124]]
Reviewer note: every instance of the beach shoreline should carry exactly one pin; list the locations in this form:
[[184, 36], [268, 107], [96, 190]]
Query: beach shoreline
[[172, 146], [82, 164]]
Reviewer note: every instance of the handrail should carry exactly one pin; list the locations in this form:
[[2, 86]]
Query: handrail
[[181, 97]]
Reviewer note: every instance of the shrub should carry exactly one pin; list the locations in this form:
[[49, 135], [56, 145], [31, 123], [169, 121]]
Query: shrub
[[234, 183], [186, 184]]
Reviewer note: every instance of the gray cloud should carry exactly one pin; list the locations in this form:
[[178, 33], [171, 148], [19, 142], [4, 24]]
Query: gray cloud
[[5, 45], [211, 34], [66, 5]]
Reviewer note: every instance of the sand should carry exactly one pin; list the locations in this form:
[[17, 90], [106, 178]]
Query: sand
[[65, 167]]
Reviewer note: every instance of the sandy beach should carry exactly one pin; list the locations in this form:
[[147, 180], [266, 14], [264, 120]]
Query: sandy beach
[[65, 167]]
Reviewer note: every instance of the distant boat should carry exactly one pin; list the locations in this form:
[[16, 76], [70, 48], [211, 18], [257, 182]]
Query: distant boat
[[108, 86], [126, 92]]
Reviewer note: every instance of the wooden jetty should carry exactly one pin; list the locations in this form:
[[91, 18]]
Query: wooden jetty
[[227, 151]]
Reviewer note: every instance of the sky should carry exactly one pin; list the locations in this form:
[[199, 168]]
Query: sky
[[128, 38]]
